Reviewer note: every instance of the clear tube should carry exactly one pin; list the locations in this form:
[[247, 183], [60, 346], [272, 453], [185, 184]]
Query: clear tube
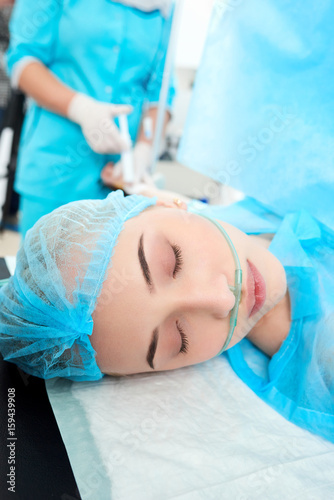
[[236, 289]]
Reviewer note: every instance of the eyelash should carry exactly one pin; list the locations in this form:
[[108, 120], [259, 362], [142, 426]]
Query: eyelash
[[178, 259], [177, 269], [185, 343]]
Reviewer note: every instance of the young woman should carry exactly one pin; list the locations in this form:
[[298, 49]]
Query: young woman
[[129, 285]]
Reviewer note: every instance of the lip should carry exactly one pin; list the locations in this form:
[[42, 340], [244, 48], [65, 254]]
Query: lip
[[256, 287]]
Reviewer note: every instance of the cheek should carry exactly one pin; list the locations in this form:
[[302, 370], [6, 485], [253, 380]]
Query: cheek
[[239, 334], [116, 319], [208, 337], [275, 277], [115, 334]]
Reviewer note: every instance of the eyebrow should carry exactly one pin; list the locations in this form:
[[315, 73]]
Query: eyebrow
[[147, 275], [144, 265], [152, 348]]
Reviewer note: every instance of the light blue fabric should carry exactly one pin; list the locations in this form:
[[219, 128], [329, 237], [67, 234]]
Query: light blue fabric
[[33, 208], [261, 116], [104, 49], [46, 307], [261, 120], [298, 381]]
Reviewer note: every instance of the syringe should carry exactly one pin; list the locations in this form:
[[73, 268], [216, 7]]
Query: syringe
[[126, 156]]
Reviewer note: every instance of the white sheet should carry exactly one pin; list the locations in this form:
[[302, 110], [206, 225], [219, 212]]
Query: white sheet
[[195, 433]]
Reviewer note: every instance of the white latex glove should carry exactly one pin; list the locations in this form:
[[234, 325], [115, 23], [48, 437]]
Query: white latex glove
[[112, 175], [96, 120], [142, 159]]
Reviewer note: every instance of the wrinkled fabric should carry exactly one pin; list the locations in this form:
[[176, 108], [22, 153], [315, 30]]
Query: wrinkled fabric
[[46, 308], [199, 425], [298, 381], [261, 115]]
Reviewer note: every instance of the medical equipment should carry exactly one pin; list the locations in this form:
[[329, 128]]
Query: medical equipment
[[6, 144], [9, 141], [236, 289], [148, 127], [126, 156], [167, 74], [6, 141], [46, 308]]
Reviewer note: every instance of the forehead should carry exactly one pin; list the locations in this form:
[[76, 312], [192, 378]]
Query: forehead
[[169, 217]]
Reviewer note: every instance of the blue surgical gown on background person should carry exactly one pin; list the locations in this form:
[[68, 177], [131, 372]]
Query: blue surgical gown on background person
[[261, 114], [109, 51], [298, 381]]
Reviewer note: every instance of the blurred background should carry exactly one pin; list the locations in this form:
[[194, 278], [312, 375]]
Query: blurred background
[[194, 18]]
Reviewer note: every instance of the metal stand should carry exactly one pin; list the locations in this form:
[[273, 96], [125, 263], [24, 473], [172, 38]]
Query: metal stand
[[9, 143], [165, 83]]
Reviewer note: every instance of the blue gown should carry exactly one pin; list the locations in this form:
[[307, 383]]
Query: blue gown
[[298, 381], [261, 115], [261, 120]]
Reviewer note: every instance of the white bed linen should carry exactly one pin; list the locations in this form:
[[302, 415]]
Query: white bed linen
[[191, 434]]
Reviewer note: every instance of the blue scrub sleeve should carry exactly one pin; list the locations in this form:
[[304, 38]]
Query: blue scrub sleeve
[[33, 31], [155, 81]]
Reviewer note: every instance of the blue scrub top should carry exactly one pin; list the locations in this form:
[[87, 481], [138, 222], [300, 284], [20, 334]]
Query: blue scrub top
[[104, 49], [298, 381]]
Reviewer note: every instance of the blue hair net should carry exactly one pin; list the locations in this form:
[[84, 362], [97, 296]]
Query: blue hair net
[[46, 308]]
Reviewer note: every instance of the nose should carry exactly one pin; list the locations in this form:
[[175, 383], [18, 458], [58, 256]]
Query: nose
[[213, 297]]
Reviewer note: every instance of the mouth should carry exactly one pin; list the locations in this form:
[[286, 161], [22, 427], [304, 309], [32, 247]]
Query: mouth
[[256, 289]]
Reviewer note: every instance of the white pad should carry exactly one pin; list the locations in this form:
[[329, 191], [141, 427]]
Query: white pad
[[189, 434]]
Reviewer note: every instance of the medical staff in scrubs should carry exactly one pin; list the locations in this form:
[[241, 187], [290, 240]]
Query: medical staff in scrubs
[[83, 63]]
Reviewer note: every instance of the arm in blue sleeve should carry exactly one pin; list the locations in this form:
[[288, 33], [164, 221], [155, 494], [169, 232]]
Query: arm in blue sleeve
[[33, 31]]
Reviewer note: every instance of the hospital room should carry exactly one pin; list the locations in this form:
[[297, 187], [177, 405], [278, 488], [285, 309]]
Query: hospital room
[[166, 249]]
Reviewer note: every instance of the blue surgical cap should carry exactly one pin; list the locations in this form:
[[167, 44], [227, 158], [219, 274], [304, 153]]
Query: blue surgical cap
[[46, 308]]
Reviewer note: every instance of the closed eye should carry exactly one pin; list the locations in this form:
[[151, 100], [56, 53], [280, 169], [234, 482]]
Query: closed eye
[[177, 269], [184, 339], [178, 260]]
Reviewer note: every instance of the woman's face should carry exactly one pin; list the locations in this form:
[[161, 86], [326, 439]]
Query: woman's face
[[166, 301]]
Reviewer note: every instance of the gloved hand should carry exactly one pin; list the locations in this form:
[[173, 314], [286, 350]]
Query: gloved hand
[[142, 157], [96, 120]]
